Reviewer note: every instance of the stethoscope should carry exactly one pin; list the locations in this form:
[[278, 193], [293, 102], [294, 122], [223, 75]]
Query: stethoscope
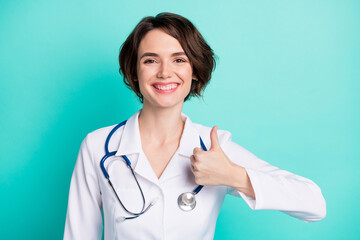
[[186, 201]]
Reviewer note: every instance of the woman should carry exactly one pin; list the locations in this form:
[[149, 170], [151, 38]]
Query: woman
[[165, 61]]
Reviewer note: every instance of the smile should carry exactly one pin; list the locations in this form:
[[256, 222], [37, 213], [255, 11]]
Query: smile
[[165, 88]]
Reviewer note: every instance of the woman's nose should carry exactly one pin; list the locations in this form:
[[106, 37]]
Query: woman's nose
[[164, 71]]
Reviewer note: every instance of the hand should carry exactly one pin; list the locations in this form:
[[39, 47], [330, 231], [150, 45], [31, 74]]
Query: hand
[[211, 167]]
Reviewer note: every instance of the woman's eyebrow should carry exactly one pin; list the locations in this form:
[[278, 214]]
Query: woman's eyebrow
[[178, 54], [151, 54]]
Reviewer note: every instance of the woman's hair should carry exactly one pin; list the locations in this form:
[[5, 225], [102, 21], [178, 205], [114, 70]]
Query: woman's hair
[[197, 50]]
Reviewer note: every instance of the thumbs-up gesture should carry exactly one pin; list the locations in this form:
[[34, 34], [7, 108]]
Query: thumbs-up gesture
[[211, 167]]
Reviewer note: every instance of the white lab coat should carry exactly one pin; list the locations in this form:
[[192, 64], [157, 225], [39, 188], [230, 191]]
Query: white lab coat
[[90, 193]]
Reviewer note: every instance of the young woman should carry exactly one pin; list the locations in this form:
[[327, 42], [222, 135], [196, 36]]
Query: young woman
[[158, 154]]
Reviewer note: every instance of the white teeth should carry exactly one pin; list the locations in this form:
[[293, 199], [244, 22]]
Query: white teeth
[[166, 87]]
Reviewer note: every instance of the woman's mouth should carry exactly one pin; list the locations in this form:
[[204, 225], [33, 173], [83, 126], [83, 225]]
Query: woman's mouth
[[165, 87]]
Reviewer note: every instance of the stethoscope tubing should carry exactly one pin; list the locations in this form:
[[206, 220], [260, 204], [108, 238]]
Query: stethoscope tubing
[[109, 154]]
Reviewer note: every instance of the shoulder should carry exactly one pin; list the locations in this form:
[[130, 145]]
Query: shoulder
[[96, 139], [102, 131], [99, 134]]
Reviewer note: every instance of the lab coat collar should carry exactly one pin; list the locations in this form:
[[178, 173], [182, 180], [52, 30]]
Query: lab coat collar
[[130, 140], [130, 143], [190, 138]]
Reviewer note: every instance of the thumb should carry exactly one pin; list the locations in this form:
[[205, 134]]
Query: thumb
[[214, 139]]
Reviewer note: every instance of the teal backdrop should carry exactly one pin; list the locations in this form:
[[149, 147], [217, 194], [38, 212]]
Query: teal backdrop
[[286, 85]]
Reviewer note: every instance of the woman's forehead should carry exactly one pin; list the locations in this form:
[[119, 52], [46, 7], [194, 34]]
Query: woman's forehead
[[159, 41]]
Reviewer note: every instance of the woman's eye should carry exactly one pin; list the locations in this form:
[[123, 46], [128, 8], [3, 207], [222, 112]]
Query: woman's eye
[[179, 60], [149, 61]]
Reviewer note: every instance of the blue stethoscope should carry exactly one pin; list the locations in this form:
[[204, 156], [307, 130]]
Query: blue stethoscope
[[186, 201]]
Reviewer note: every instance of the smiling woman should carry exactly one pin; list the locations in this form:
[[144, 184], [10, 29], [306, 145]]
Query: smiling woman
[[164, 72], [158, 159], [194, 49]]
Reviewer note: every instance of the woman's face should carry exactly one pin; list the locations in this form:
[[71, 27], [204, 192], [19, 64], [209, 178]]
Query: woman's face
[[164, 71]]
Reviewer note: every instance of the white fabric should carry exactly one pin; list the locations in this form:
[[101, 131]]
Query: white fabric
[[90, 193]]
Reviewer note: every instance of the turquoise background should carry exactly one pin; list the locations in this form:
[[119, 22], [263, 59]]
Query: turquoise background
[[286, 86]]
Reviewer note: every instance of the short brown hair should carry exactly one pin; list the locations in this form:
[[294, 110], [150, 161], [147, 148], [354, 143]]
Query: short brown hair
[[200, 54]]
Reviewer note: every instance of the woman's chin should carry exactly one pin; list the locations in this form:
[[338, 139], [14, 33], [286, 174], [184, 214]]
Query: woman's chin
[[165, 103]]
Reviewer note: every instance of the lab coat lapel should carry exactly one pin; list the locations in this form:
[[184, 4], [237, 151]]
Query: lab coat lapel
[[130, 143], [144, 169], [130, 140], [190, 138]]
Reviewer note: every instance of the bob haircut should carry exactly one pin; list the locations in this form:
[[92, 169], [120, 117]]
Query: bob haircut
[[200, 55]]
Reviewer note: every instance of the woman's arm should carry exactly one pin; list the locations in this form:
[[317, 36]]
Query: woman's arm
[[240, 181], [261, 185], [83, 218]]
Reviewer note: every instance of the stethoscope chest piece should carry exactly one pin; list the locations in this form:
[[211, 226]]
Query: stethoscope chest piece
[[187, 201]]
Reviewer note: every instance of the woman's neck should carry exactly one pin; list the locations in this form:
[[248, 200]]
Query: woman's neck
[[161, 125]]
